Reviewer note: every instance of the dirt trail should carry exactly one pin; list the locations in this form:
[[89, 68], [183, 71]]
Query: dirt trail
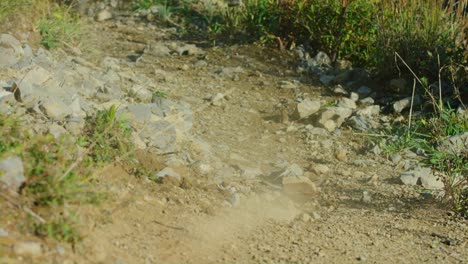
[[145, 222]]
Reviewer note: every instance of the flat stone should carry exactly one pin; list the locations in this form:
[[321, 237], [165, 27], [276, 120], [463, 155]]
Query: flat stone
[[404, 103], [457, 144], [55, 110], [168, 172], [367, 101], [333, 117], [27, 248], [11, 173], [161, 135], [432, 182], [103, 15], [369, 111], [57, 130], [306, 108], [298, 185], [339, 90], [11, 50], [322, 58], [347, 103]]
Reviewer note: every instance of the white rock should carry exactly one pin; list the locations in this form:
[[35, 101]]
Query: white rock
[[103, 15], [347, 103], [11, 173], [306, 108], [333, 117]]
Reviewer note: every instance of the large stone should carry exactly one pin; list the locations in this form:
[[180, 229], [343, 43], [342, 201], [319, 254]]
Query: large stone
[[168, 172], [189, 49], [457, 144], [347, 103], [28, 248], [298, 186], [55, 109], [292, 170], [404, 103], [11, 50], [333, 117], [306, 108], [161, 135], [157, 49], [11, 173], [359, 123], [432, 182], [322, 58], [369, 111], [103, 15]]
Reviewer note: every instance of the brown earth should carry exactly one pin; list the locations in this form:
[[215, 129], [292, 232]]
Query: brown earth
[[146, 222]]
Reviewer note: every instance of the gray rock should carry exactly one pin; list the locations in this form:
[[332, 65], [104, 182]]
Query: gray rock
[[322, 58], [369, 111], [217, 99], [423, 175], [339, 90], [306, 108], [409, 178], [200, 64], [55, 110], [354, 96], [291, 170], [404, 103], [457, 144], [56, 130], [103, 15], [6, 97], [189, 49], [168, 172], [327, 79], [430, 181], [230, 71], [347, 103], [359, 123], [364, 91], [157, 49], [11, 173], [161, 135], [27, 248], [395, 158], [367, 101], [75, 125], [366, 197], [11, 51], [234, 199], [288, 85], [111, 63], [333, 117], [321, 168]]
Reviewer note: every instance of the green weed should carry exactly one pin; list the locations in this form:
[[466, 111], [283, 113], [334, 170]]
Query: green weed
[[107, 136], [60, 28], [158, 94]]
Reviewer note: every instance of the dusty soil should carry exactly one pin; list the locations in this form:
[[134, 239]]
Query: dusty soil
[[146, 222]]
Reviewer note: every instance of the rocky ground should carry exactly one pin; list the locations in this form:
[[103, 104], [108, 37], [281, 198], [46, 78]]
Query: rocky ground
[[262, 155]]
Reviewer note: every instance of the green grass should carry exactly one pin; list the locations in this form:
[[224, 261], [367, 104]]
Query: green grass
[[59, 172], [425, 136], [60, 28]]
